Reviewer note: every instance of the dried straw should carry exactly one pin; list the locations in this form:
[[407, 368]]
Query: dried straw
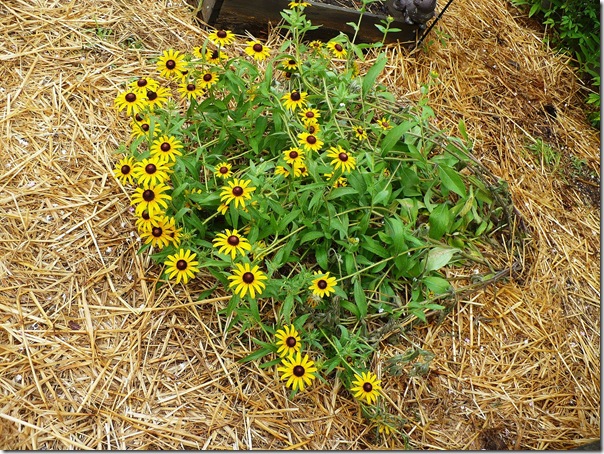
[[94, 356]]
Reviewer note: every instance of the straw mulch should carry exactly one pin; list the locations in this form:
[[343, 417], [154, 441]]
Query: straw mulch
[[94, 355]]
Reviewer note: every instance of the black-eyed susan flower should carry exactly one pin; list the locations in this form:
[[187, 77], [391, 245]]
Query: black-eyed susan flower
[[140, 125], [237, 190], [171, 63], [257, 50], [161, 232], [340, 181], [294, 100], [336, 49], [223, 170], [289, 64], [157, 98], [341, 159], [144, 222], [323, 284], [300, 170], [130, 101], [280, 170], [288, 341], [231, 242], [300, 5], [207, 79], [366, 387], [316, 44], [246, 279], [294, 156], [191, 89], [384, 123], [166, 147], [182, 265], [222, 37], [309, 141], [143, 84], [312, 127], [123, 170], [360, 132], [298, 371], [214, 57], [309, 115], [152, 199], [151, 171]]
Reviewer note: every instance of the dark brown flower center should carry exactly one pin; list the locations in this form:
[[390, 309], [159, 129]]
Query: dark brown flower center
[[141, 82], [343, 157], [207, 77], [151, 95], [125, 169], [237, 191], [145, 215], [170, 64], [310, 114], [165, 146], [299, 371], [311, 140], [145, 127], [248, 277], [150, 168], [257, 47], [338, 47], [156, 232], [290, 342], [312, 129], [293, 154], [221, 34], [130, 97], [295, 96], [288, 75], [367, 387], [191, 87], [292, 62], [182, 265], [223, 170], [184, 72], [148, 195], [138, 118], [233, 240], [215, 55], [322, 284]]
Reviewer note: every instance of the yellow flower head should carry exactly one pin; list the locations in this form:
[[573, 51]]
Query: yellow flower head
[[152, 199], [341, 159], [182, 266], [294, 156], [142, 84], [131, 101], [223, 170], [123, 170], [237, 190], [336, 49], [246, 279], [309, 115], [366, 387], [231, 243], [294, 100], [161, 232], [323, 284], [257, 50], [222, 37], [171, 64], [310, 142], [151, 171], [288, 341], [207, 79], [299, 372], [167, 148]]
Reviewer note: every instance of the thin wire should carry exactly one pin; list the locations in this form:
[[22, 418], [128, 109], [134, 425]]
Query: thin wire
[[419, 42]]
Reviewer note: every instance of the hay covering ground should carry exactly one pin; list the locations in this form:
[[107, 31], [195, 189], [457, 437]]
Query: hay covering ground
[[92, 356]]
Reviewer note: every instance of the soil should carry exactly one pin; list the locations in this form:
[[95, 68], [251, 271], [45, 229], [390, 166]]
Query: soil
[[375, 8]]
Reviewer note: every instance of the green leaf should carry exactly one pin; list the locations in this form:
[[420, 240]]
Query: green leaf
[[381, 196], [439, 222], [438, 257], [373, 73], [340, 192], [451, 180], [393, 136], [395, 229], [321, 255], [309, 236], [360, 299], [436, 284]]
